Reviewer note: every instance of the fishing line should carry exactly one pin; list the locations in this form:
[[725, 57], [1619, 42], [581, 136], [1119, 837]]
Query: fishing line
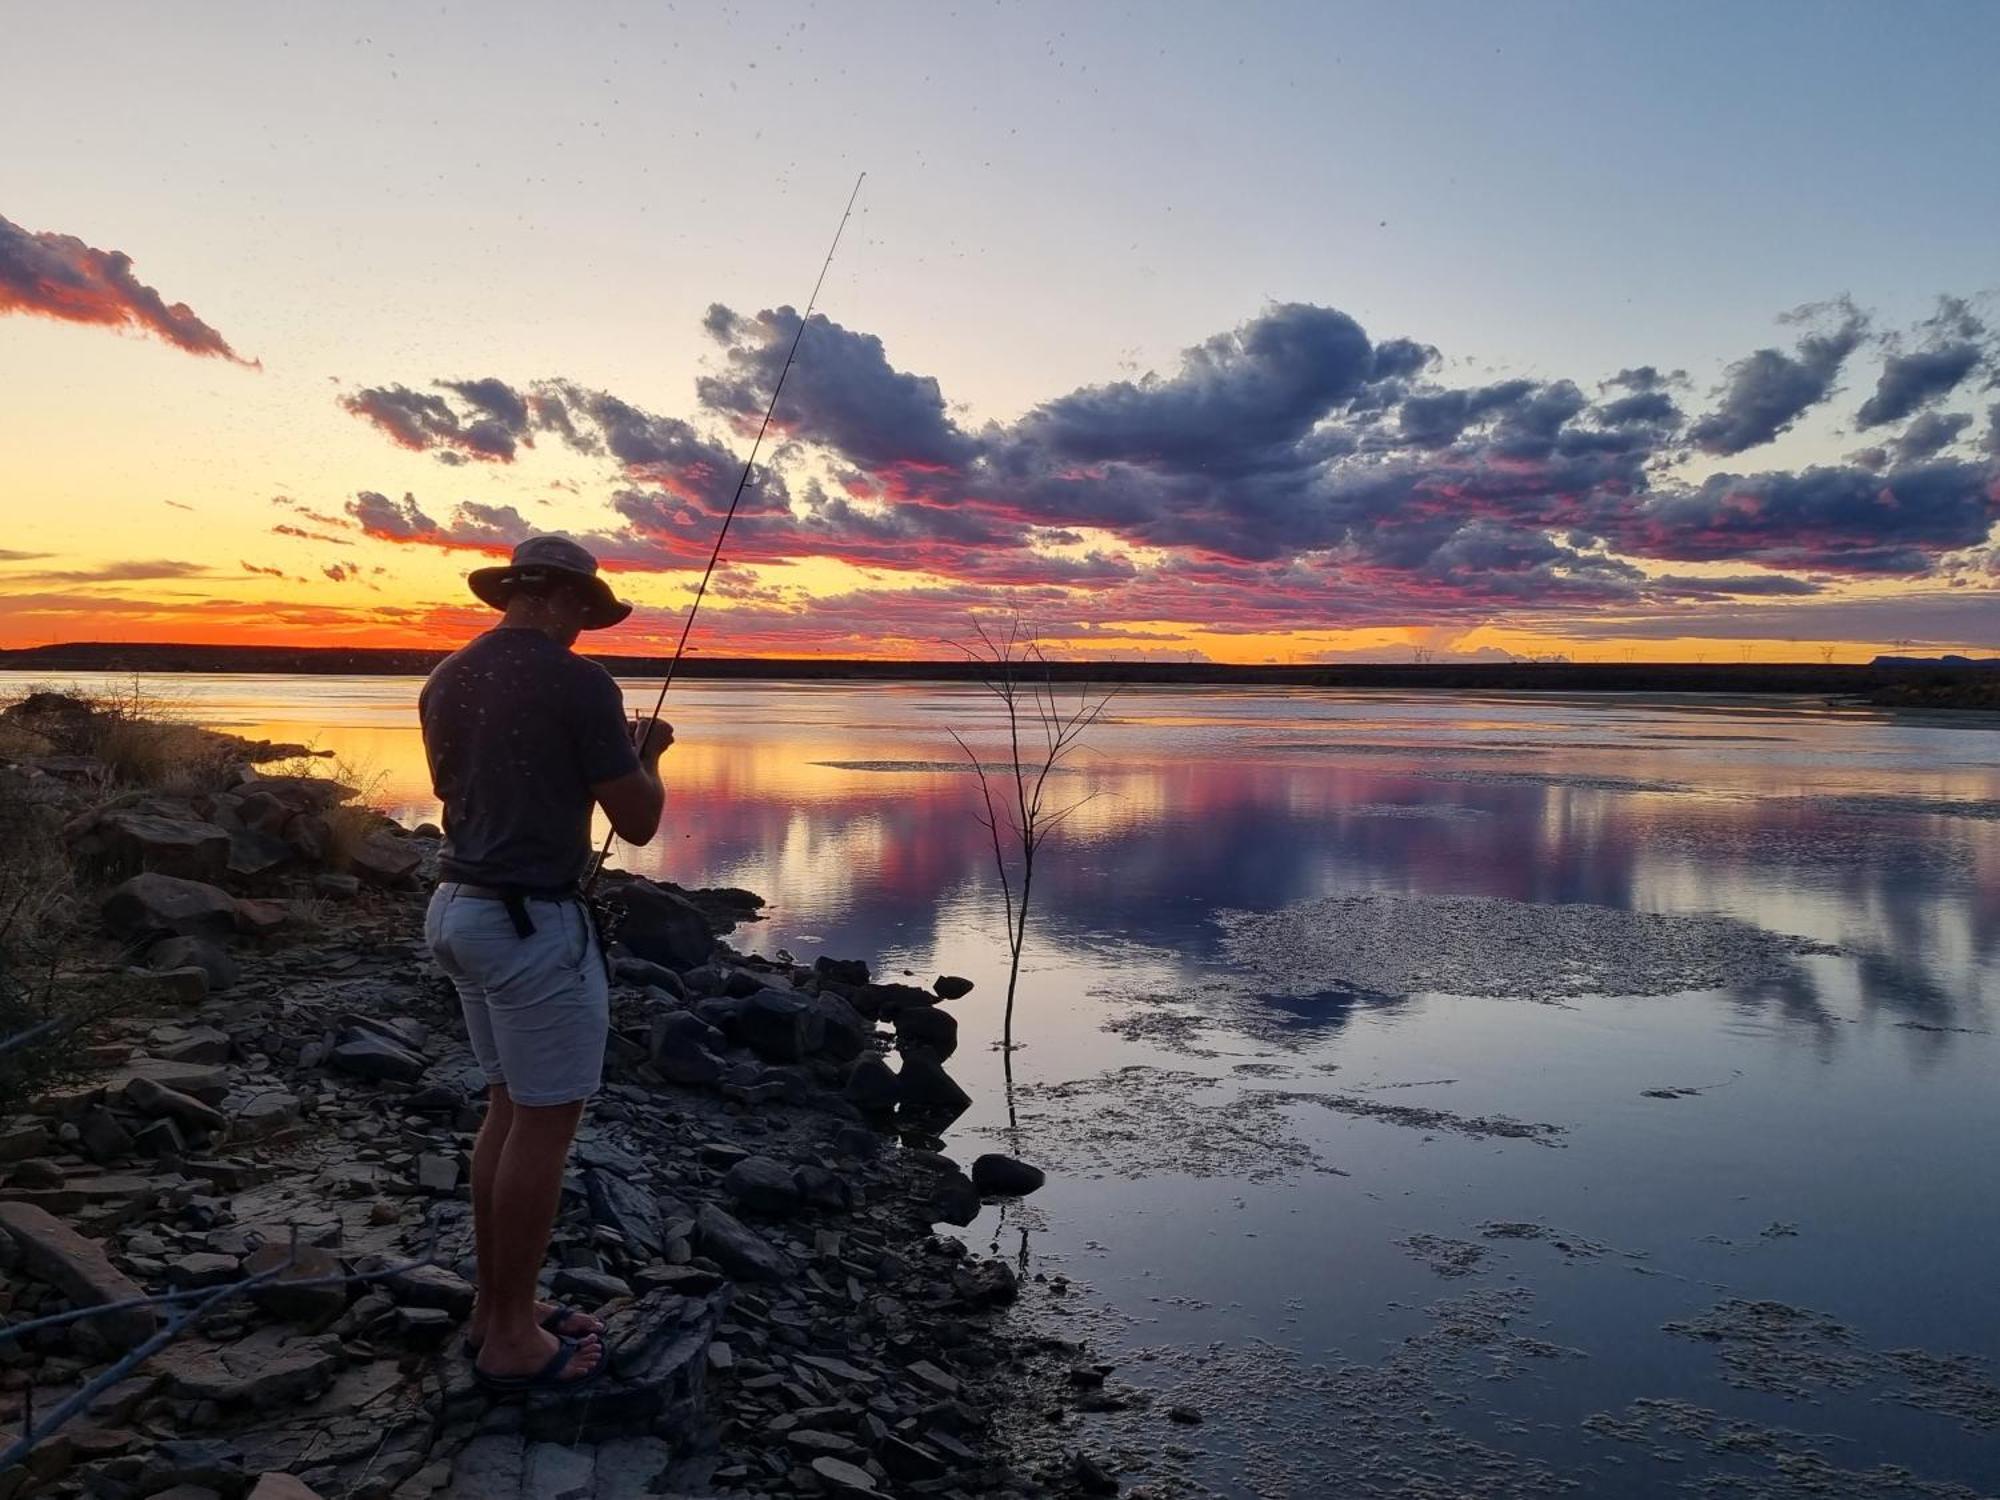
[[742, 483]]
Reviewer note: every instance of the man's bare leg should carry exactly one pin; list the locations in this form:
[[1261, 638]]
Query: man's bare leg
[[525, 1191], [486, 1149]]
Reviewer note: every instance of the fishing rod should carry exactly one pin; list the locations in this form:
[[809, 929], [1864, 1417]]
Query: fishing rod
[[742, 483]]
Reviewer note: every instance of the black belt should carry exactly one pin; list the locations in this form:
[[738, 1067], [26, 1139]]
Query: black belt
[[516, 898]]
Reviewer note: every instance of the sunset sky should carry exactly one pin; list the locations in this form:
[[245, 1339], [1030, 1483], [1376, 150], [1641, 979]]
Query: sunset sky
[[1255, 331]]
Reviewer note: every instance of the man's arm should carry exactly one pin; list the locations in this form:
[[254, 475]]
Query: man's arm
[[633, 802]]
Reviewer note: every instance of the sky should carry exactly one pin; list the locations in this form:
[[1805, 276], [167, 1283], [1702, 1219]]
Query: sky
[[1255, 332]]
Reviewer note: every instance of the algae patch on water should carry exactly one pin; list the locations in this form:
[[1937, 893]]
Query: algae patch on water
[[1477, 945]]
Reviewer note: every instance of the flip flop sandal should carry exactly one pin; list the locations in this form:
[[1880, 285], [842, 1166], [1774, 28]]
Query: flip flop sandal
[[549, 1378], [560, 1314]]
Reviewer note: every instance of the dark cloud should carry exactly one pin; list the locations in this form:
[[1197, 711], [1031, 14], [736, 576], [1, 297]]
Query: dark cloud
[[1769, 390], [1265, 383], [1930, 435], [492, 427], [1285, 475], [842, 391], [1837, 518], [1909, 381], [59, 276], [662, 451], [9, 555]]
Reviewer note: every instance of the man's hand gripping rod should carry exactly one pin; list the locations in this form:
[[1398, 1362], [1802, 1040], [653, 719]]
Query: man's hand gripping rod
[[742, 483]]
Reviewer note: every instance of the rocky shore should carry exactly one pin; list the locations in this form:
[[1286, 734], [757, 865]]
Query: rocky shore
[[272, 1126]]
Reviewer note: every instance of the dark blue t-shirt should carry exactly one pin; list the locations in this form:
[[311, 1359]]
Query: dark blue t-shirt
[[517, 729]]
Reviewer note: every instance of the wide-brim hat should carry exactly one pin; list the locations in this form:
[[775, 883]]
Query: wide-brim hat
[[542, 555]]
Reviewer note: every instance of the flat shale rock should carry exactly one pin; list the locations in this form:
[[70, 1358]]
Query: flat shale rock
[[658, 1349], [739, 1250], [53, 1252], [268, 1370]]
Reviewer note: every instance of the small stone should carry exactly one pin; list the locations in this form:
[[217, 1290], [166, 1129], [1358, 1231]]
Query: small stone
[[267, 1113], [951, 987], [739, 1250], [1186, 1416], [760, 1186], [339, 887], [283, 1487], [376, 1057], [424, 1327], [1091, 1476], [204, 1268], [933, 1377], [153, 1098], [843, 1479], [161, 1140], [211, 958], [283, 1296], [103, 1138], [437, 1174], [186, 986], [590, 1286]]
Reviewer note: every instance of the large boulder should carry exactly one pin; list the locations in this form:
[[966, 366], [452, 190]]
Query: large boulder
[[131, 840], [155, 903], [929, 1091], [385, 860], [843, 1033], [778, 1025], [927, 1026], [682, 1048], [51, 1251], [872, 1086], [998, 1176], [662, 926]]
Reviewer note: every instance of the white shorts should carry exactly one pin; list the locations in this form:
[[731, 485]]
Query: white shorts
[[537, 1008]]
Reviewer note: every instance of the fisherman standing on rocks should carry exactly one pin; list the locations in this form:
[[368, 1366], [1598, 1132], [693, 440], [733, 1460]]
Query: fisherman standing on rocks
[[524, 737]]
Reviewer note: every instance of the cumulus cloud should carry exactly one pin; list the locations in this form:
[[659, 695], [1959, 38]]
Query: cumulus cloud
[[492, 427], [842, 391], [1289, 473], [1766, 392], [1930, 435], [1909, 381], [59, 276]]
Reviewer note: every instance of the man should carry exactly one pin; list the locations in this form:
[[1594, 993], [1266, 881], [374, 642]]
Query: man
[[524, 737]]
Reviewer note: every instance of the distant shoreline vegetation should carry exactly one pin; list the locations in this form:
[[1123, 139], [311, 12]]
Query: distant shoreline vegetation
[[1954, 682]]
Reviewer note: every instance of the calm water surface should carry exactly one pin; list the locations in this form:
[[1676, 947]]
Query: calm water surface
[[1286, 1189]]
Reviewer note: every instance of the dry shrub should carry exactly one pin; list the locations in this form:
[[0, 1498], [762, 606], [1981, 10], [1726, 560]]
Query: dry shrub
[[47, 1013], [138, 737]]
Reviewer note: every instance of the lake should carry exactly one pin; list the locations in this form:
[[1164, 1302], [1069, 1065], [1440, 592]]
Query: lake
[[1443, 1094]]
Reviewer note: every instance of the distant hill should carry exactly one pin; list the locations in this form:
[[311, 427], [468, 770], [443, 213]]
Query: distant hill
[[1954, 663], [1937, 679]]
